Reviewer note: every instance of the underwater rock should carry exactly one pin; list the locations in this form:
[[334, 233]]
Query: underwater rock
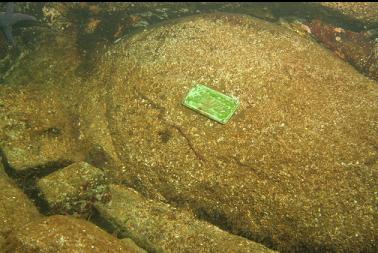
[[158, 227], [16, 209], [357, 16], [356, 48], [59, 233], [365, 12], [36, 128], [17, 157], [293, 167], [2, 170], [73, 188], [132, 245]]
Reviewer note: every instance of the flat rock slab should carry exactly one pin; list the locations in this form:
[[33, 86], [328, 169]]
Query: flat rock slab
[[159, 227], [73, 187], [294, 167], [16, 209], [58, 234]]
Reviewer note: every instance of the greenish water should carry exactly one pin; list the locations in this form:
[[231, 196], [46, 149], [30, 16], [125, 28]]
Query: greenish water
[[93, 125]]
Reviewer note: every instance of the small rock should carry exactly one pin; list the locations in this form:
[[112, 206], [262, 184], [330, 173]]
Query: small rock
[[58, 233], [159, 227], [73, 188]]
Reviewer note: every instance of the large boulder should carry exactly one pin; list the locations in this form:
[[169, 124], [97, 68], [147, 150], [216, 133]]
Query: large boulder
[[292, 169]]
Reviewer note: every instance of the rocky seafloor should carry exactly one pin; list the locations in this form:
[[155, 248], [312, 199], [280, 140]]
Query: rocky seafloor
[[98, 154]]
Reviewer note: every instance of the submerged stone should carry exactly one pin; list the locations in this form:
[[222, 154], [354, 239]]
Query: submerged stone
[[34, 131], [2, 170], [133, 246], [38, 132], [292, 169], [57, 234], [366, 12], [16, 209], [356, 48], [73, 188], [159, 227]]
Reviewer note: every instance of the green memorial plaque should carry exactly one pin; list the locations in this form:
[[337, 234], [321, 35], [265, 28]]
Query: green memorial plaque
[[211, 103]]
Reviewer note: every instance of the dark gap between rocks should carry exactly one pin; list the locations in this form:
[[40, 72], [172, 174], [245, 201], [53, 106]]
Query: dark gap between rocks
[[100, 221], [222, 221]]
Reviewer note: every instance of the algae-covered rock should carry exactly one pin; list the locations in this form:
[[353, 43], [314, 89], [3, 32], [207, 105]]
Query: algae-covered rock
[[16, 209], [159, 227], [292, 169], [58, 234], [74, 187]]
